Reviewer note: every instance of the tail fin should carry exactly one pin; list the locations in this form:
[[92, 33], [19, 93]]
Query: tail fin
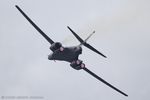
[[87, 38]]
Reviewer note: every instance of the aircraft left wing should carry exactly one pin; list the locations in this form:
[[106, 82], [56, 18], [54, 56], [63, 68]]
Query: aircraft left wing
[[85, 44], [35, 26], [102, 80]]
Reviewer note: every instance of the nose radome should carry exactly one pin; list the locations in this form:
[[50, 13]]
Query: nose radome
[[49, 57]]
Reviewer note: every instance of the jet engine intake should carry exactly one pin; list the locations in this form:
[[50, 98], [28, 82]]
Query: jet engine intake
[[77, 64], [56, 46]]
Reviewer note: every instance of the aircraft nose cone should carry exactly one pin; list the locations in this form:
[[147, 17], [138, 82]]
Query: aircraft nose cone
[[49, 57]]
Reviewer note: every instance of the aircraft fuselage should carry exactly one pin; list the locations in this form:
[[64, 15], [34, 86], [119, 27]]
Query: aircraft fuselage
[[68, 54]]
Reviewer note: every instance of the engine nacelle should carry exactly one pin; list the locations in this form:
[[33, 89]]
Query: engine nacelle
[[55, 46], [77, 64]]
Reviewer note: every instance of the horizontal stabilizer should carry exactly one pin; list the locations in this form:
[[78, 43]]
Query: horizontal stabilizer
[[93, 49], [81, 41], [84, 42]]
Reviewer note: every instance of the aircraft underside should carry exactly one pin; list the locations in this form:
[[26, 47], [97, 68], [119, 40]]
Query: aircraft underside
[[70, 54]]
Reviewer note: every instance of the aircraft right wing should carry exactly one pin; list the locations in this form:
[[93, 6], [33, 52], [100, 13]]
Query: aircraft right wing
[[35, 26]]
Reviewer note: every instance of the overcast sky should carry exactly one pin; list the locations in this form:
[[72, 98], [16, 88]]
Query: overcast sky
[[122, 34]]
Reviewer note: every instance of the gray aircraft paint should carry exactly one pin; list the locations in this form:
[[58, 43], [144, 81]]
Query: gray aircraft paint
[[122, 30]]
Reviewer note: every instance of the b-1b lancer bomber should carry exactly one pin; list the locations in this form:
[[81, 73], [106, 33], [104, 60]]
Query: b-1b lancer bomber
[[70, 54]]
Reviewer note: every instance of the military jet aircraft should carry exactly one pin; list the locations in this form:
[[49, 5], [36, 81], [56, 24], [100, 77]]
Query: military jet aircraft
[[70, 54]]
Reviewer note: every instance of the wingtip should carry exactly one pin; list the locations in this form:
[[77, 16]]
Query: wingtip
[[103, 55], [16, 5], [125, 95], [93, 31]]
